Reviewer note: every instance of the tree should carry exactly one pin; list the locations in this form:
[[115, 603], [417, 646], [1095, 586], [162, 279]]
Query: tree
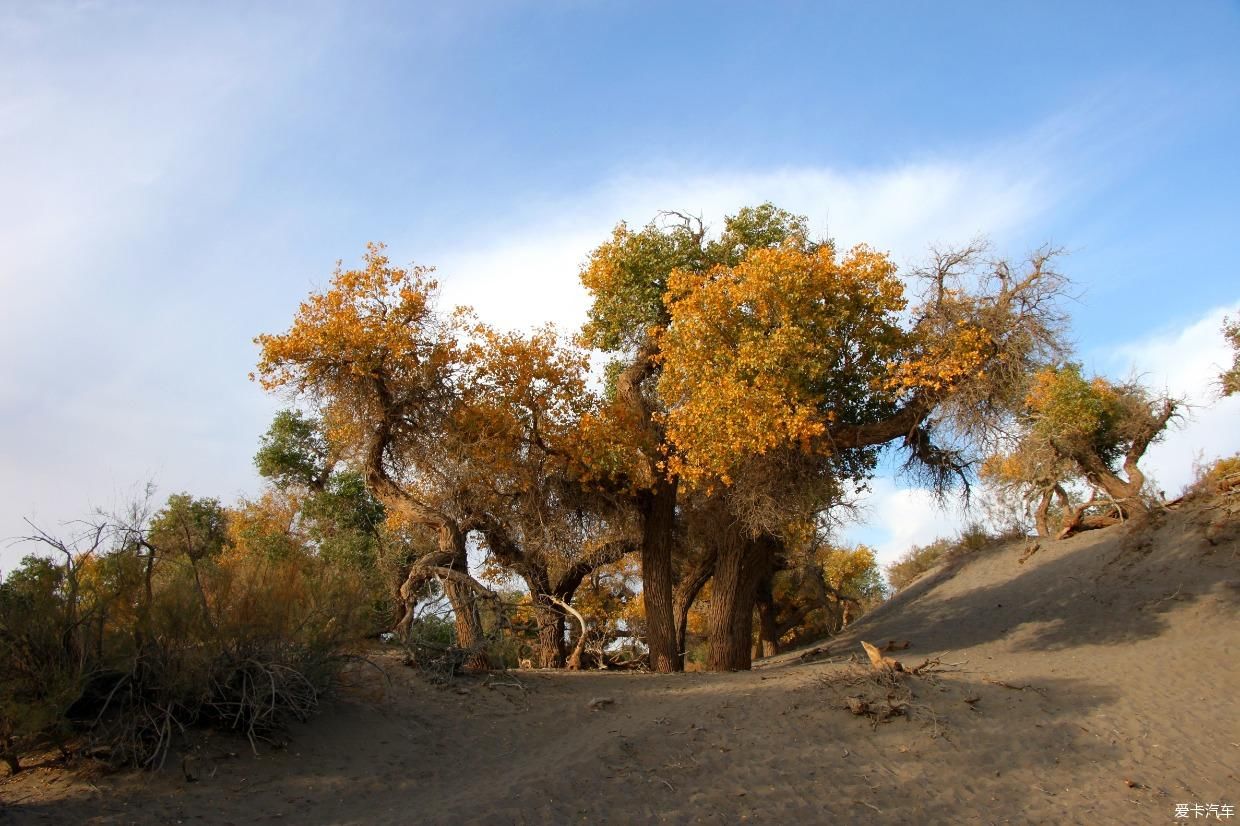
[[1092, 430], [627, 277], [295, 453], [774, 373], [376, 360], [754, 375], [457, 428], [1230, 379], [817, 591], [325, 504], [189, 527], [517, 425]]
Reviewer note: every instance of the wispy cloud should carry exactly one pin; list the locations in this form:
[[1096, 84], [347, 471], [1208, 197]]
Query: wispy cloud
[[119, 126], [525, 272]]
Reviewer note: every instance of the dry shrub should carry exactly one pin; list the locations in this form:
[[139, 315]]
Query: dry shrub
[[916, 561], [91, 660], [877, 694], [921, 558], [1213, 478]]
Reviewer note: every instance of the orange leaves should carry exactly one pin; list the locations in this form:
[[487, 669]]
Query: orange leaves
[[762, 354], [519, 401], [609, 445], [944, 361], [375, 322]]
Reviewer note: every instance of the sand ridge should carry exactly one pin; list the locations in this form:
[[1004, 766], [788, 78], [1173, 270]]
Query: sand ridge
[[1092, 682]]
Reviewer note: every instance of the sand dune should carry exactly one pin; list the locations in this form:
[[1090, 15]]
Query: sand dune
[[1092, 682]]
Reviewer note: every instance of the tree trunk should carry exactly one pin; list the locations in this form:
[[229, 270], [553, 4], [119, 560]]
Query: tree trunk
[[463, 598], [656, 553], [741, 563], [1126, 494], [1040, 515], [687, 591], [768, 623], [550, 636]]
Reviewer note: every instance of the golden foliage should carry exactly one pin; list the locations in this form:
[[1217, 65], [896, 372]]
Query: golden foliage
[[772, 351], [944, 361], [369, 348], [371, 322]]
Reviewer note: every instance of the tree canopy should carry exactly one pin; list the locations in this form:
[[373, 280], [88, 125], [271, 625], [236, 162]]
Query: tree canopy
[[755, 376], [1089, 430]]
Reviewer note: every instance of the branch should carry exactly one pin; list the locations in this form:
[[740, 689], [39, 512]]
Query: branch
[[571, 579], [464, 578], [901, 423], [1143, 439], [574, 661]]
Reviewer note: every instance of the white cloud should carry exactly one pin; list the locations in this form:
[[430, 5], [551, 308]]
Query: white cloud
[[895, 519], [1185, 363], [527, 273]]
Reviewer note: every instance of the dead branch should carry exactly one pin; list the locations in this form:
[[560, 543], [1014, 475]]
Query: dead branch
[[880, 662], [574, 660]]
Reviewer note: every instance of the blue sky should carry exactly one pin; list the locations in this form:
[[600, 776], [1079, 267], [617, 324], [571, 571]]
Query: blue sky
[[178, 176]]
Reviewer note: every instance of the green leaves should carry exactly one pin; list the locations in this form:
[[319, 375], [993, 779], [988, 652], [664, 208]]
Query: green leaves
[[628, 275], [293, 451], [1230, 379], [189, 527]]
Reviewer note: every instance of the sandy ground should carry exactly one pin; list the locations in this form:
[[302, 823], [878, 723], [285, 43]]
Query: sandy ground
[[1093, 682]]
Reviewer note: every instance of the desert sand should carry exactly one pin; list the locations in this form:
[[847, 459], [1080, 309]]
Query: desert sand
[[1090, 680]]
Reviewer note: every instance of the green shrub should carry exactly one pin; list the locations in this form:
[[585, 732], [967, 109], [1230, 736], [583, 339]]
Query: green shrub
[[120, 650]]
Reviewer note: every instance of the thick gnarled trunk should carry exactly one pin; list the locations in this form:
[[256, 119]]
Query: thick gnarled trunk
[[657, 595], [741, 563], [464, 599], [551, 650]]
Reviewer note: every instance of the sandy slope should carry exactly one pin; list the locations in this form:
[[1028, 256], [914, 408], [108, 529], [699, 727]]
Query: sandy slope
[[1094, 682]]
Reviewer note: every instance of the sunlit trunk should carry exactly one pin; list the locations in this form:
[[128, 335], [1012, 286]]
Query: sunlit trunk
[[464, 600], [740, 565]]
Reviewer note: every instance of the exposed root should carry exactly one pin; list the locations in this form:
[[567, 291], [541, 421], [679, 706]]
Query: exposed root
[[877, 659]]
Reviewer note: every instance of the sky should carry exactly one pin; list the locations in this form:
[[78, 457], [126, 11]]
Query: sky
[[178, 176]]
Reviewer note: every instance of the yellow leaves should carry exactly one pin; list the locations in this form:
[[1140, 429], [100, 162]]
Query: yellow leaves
[[944, 362], [845, 569], [371, 321], [758, 355]]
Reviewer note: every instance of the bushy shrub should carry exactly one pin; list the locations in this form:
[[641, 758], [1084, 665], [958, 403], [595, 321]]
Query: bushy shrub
[[916, 561], [920, 558], [1212, 478], [119, 650]]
